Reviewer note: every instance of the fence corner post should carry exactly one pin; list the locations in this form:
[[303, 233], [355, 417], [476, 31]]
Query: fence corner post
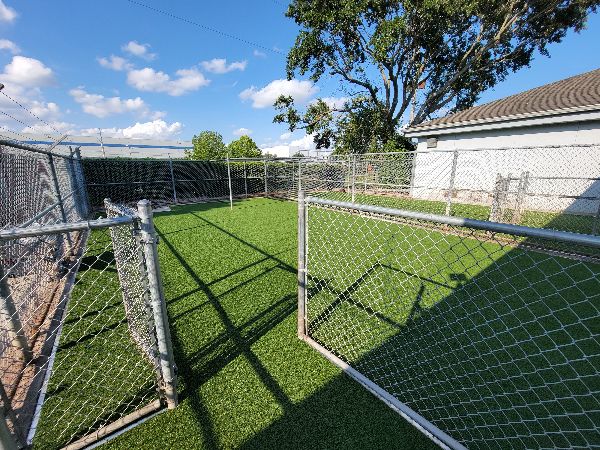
[[301, 265], [353, 177], [157, 299]]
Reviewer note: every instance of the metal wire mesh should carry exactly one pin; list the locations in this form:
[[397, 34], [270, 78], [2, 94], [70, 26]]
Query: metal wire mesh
[[543, 187], [93, 354], [491, 337]]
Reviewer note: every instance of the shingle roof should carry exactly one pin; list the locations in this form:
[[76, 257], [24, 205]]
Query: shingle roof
[[562, 96]]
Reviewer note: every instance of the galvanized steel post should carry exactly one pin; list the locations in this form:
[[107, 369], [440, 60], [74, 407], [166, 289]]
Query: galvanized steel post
[[149, 240], [83, 185], [59, 199], [353, 176], [245, 180], [451, 184], [172, 180], [229, 182], [265, 164], [301, 265]]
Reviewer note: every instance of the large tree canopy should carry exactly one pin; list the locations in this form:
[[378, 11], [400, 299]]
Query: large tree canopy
[[382, 51]]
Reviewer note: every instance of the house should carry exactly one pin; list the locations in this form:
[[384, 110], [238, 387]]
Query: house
[[546, 140]]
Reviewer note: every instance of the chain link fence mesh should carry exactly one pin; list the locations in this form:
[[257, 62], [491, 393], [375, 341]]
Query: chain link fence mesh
[[557, 187], [78, 347], [492, 337]]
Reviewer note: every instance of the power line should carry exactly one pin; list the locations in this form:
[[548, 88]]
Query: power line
[[207, 28], [30, 112]]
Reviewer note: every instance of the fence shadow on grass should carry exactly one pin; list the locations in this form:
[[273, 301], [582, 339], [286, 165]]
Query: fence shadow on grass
[[501, 355], [339, 413]]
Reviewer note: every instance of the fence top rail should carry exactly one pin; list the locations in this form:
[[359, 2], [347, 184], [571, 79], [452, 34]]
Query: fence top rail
[[505, 228], [29, 148], [18, 233]]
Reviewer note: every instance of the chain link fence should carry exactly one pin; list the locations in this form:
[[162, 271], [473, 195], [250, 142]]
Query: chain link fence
[[484, 335], [542, 187], [84, 338]]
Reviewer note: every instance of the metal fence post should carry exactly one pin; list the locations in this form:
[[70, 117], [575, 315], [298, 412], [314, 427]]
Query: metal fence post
[[159, 310], [59, 199], [299, 176], [75, 188], [353, 176], [83, 185], [11, 318], [596, 220], [451, 184], [245, 180], [229, 183], [301, 265], [172, 180], [265, 164]]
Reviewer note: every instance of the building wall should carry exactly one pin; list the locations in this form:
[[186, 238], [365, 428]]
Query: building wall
[[569, 153]]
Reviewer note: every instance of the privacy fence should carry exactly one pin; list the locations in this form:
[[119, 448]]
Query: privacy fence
[[84, 339], [543, 187]]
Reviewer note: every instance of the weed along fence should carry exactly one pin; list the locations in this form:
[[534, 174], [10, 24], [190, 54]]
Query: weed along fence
[[459, 287]]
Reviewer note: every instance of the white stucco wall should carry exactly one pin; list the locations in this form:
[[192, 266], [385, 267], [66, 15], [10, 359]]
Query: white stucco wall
[[514, 151]]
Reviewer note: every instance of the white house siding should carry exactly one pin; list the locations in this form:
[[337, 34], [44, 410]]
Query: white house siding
[[571, 151]]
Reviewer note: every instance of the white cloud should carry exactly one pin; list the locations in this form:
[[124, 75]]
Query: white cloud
[[5, 44], [335, 102], [7, 14], [100, 106], [259, 54], [242, 132], [27, 72], [301, 91], [148, 79], [281, 151], [50, 128], [157, 129], [115, 63], [304, 145], [140, 50], [219, 65]]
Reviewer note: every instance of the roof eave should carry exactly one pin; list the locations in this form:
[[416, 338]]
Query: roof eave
[[514, 121]]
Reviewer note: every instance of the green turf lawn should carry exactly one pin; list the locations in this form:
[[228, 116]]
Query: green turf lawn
[[488, 341], [98, 374], [246, 380], [537, 219]]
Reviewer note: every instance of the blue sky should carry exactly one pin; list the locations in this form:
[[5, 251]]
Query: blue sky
[[133, 72]]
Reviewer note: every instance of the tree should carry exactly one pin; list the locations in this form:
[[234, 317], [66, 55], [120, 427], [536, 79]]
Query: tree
[[207, 145], [244, 147], [435, 55]]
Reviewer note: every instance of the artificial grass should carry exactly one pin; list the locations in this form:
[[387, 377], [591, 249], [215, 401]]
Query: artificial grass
[[246, 380], [98, 374], [575, 223]]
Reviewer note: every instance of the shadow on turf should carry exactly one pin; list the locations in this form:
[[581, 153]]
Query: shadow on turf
[[313, 421]]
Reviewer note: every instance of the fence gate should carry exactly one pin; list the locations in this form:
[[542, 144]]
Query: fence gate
[[483, 335], [85, 345]]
